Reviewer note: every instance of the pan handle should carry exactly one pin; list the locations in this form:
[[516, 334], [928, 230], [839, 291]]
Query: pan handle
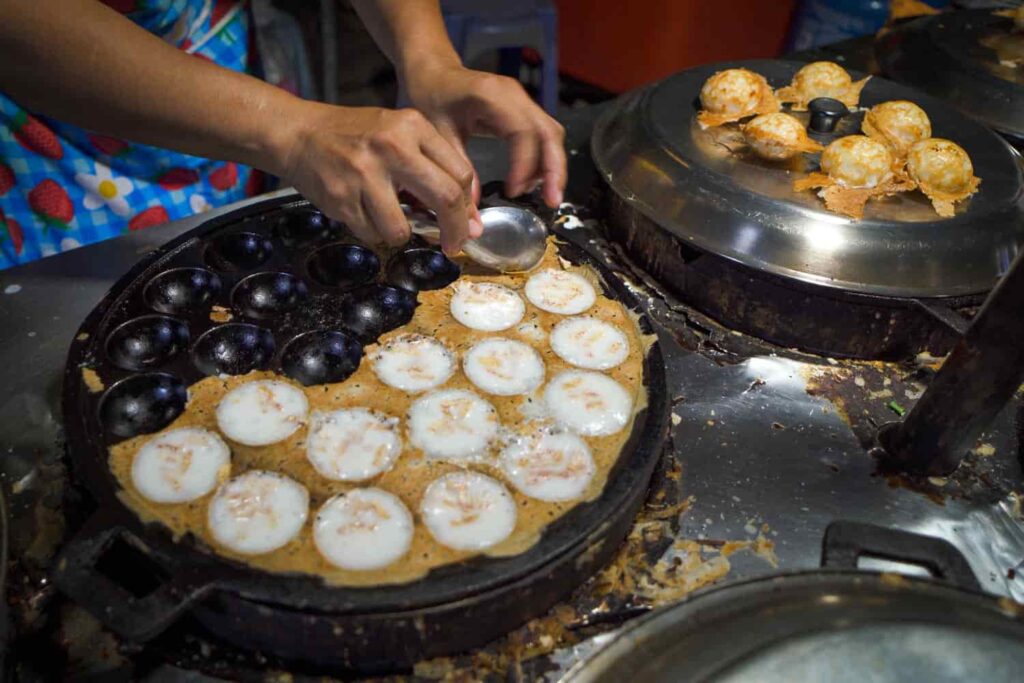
[[133, 618], [845, 542]]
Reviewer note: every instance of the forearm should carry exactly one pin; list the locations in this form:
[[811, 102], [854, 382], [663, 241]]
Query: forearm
[[81, 62], [410, 32]]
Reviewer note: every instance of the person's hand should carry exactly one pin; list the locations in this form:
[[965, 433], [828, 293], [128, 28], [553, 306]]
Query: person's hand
[[461, 102], [351, 162]]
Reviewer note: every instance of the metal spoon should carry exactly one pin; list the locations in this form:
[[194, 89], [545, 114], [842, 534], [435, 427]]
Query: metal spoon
[[513, 241]]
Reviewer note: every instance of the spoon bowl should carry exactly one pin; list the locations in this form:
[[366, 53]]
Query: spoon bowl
[[513, 240]]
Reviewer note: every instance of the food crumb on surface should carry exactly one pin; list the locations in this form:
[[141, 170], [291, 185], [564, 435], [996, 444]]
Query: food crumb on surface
[[219, 314], [569, 222], [984, 450], [1011, 607], [82, 336], [92, 380], [893, 579], [22, 484]]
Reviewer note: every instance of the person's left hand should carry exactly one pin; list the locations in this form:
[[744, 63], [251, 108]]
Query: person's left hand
[[462, 102]]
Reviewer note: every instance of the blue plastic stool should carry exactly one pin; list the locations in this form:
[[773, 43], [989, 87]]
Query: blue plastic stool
[[480, 26]]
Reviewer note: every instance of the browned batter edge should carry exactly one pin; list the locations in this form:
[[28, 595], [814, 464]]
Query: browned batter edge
[[412, 472]]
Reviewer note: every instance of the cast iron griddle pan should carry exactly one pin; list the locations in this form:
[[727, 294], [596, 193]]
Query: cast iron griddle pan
[[305, 297]]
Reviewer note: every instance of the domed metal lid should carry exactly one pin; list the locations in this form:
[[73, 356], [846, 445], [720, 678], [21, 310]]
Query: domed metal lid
[[971, 58], [653, 154]]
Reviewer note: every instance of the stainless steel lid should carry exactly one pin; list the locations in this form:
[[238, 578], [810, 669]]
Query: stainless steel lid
[[970, 58], [819, 626], [653, 155]]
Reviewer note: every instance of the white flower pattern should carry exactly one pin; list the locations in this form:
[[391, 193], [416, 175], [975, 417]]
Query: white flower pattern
[[198, 203], [102, 188]]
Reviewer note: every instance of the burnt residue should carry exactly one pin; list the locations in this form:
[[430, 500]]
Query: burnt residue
[[868, 395]]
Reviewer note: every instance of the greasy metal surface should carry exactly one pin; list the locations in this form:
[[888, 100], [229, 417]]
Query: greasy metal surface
[[650, 151], [965, 58], [773, 454], [819, 626]]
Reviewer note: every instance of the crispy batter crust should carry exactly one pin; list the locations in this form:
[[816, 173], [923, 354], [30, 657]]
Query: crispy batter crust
[[850, 201], [850, 96]]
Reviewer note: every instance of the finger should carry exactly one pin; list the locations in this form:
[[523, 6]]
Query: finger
[[524, 153], [440, 192], [476, 223], [357, 223], [452, 160], [554, 165], [380, 204], [341, 206], [454, 138], [440, 149]]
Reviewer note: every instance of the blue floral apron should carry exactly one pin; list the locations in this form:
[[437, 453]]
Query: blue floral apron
[[62, 186]]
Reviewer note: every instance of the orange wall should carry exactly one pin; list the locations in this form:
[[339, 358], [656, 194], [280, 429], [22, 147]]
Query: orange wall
[[619, 45]]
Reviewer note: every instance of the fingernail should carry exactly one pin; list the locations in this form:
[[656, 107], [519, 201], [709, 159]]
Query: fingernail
[[476, 228]]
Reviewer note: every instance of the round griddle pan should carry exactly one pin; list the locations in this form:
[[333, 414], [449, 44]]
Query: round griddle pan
[[155, 580]]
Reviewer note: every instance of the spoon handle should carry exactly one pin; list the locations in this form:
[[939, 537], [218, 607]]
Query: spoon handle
[[423, 229], [432, 233]]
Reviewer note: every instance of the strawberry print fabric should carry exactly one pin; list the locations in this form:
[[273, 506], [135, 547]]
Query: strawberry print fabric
[[62, 186]]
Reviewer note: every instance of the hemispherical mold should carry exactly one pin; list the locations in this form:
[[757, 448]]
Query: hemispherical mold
[[146, 342], [343, 265], [239, 251], [233, 349], [372, 310], [182, 290], [321, 357], [267, 295], [304, 226], [421, 269], [142, 404]]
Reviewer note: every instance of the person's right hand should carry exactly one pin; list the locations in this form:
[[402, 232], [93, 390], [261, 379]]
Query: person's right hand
[[351, 162]]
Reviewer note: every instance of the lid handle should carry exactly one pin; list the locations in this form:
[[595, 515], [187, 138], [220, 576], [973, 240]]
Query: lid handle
[[846, 542], [825, 114]]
